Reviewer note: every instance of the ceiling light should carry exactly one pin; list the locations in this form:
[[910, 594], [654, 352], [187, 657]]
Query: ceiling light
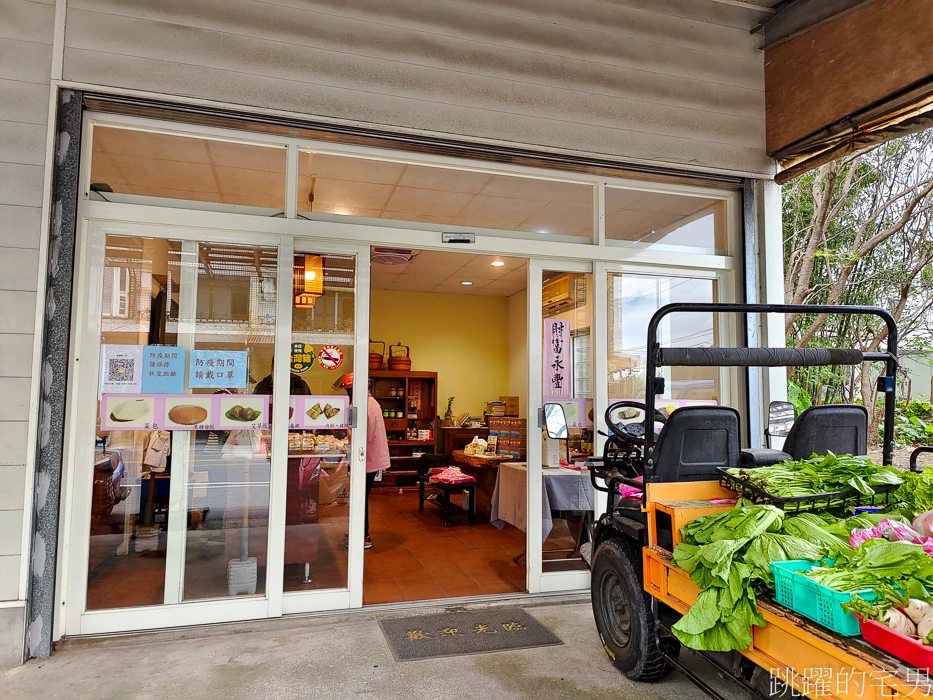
[[497, 263], [466, 284]]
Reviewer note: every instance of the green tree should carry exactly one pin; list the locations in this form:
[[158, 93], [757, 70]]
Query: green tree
[[859, 230]]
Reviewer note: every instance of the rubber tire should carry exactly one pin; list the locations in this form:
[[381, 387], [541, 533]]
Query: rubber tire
[[627, 627]]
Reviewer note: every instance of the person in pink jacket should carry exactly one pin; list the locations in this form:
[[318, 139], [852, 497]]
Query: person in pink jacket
[[377, 445]]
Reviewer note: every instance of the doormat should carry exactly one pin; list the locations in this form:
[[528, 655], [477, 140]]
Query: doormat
[[467, 632]]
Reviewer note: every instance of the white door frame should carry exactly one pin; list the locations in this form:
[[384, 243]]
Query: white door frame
[[79, 452], [352, 595], [540, 581]]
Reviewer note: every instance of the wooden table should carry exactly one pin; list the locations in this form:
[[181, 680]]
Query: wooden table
[[485, 468], [456, 438]]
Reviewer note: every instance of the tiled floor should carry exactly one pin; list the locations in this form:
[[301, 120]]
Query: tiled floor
[[414, 557]]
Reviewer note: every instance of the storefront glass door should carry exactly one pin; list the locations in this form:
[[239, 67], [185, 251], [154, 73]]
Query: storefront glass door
[[203, 498], [562, 298], [180, 493], [317, 515]]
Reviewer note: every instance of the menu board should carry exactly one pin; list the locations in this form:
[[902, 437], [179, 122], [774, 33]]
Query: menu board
[[184, 412], [313, 412]]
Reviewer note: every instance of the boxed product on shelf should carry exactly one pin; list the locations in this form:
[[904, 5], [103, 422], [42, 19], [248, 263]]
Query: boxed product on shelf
[[511, 405]]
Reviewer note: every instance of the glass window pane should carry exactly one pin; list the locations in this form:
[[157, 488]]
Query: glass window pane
[[318, 492], [129, 502], [230, 467], [568, 494], [383, 190], [666, 221], [154, 168], [185, 328], [633, 299]]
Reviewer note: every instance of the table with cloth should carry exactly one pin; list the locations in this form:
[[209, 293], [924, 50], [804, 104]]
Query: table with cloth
[[563, 489]]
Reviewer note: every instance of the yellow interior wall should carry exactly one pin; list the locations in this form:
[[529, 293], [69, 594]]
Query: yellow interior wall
[[463, 338]]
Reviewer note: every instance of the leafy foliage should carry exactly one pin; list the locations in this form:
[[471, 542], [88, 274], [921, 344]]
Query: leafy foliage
[[916, 493], [858, 231], [729, 556]]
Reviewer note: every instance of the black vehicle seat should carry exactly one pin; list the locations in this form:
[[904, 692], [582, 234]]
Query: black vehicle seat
[[696, 440], [838, 428]]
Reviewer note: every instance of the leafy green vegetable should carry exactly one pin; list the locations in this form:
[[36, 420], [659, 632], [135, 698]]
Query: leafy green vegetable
[[857, 605], [736, 524], [729, 556], [916, 493], [814, 529], [827, 473], [878, 563], [771, 547], [719, 621]]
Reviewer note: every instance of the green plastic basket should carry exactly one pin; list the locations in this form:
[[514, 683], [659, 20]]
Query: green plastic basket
[[814, 600]]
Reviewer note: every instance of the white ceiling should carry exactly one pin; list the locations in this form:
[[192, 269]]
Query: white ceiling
[[176, 167], [442, 273], [399, 191]]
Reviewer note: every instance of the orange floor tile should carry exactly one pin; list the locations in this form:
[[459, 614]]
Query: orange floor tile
[[414, 557]]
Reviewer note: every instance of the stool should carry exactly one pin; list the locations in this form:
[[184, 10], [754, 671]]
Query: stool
[[444, 505]]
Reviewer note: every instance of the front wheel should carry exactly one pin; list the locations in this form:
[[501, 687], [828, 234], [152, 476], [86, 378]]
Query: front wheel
[[623, 615]]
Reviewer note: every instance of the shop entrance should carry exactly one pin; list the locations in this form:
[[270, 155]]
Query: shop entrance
[[452, 393], [453, 326]]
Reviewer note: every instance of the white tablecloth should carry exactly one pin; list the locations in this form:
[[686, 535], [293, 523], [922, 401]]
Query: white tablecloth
[[564, 489]]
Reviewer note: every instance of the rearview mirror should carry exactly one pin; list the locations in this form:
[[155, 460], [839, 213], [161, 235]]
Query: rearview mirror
[[780, 418], [555, 421]]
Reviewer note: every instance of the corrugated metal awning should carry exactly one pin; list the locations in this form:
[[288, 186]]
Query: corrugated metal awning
[[906, 113]]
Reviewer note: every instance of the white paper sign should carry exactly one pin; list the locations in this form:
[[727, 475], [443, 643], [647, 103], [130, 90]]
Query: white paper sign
[[121, 369]]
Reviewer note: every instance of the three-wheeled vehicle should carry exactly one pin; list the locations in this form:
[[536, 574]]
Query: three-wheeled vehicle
[[674, 461]]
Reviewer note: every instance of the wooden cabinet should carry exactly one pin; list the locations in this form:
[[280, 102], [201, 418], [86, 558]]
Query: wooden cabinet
[[409, 404]]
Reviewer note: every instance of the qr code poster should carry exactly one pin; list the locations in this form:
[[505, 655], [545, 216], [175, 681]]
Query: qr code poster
[[121, 369]]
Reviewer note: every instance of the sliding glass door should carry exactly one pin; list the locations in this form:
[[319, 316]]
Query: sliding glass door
[[202, 497]]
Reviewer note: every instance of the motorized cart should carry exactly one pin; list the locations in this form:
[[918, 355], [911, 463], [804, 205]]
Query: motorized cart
[[677, 462]]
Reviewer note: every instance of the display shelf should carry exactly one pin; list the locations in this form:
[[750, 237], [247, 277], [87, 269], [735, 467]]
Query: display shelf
[[418, 394]]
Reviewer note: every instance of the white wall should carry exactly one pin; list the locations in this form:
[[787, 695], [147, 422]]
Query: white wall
[[665, 81], [920, 372], [518, 349], [25, 65]]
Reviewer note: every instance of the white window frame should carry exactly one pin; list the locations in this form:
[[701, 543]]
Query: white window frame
[[324, 232]]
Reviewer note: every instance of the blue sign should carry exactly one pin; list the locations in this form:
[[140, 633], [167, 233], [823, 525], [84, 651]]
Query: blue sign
[[217, 369], [163, 370]]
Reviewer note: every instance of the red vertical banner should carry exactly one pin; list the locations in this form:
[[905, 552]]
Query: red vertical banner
[[558, 370]]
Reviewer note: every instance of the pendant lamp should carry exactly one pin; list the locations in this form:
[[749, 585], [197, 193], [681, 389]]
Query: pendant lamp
[[309, 280]]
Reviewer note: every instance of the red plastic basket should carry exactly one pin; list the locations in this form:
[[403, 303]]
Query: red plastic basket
[[896, 644]]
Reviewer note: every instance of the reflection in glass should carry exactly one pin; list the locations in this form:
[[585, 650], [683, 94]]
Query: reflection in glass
[[170, 170], [666, 221], [633, 300], [182, 296], [229, 470], [318, 488], [404, 192], [568, 494], [132, 468]]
